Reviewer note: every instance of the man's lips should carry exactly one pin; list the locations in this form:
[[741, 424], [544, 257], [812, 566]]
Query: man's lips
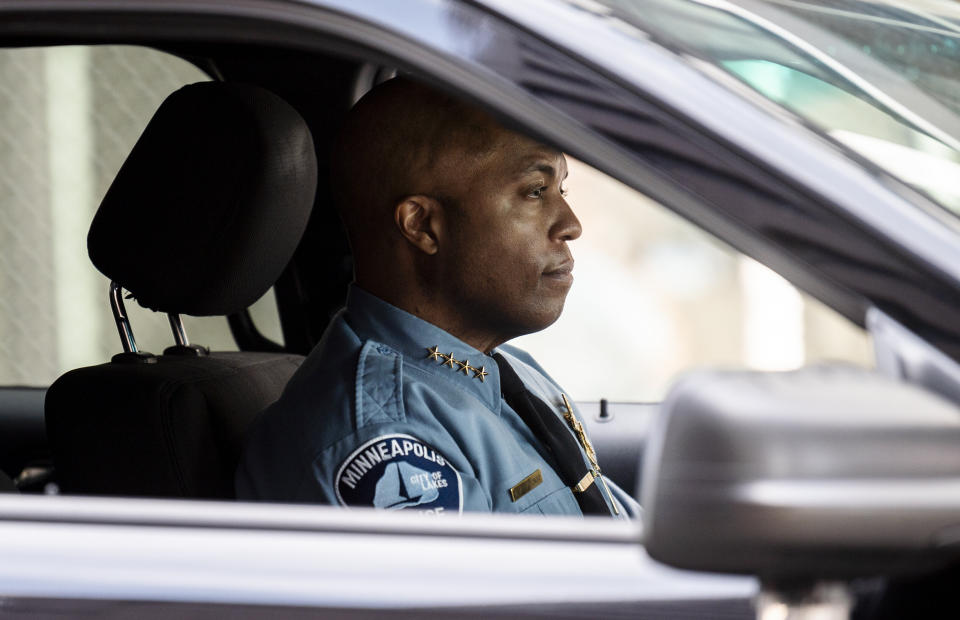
[[563, 272]]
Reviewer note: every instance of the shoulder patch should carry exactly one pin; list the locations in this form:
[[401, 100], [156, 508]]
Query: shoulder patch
[[379, 389], [393, 472]]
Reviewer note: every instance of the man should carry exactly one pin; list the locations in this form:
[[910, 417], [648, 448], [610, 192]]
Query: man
[[459, 231]]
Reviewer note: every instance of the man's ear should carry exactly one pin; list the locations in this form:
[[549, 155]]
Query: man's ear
[[419, 220]]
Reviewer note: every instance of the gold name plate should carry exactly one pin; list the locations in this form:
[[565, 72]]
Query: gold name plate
[[526, 485]]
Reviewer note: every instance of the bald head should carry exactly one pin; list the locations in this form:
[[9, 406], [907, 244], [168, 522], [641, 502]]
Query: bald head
[[453, 217], [402, 139]]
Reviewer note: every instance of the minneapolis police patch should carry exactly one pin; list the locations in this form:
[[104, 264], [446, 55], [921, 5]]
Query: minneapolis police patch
[[395, 472]]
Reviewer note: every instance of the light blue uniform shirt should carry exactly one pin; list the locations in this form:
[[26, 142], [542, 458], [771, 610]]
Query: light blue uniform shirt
[[374, 418]]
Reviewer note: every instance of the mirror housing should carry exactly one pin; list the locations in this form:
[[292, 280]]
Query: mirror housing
[[825, 472]]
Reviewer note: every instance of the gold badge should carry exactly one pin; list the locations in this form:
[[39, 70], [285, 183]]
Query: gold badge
[[526, 485]]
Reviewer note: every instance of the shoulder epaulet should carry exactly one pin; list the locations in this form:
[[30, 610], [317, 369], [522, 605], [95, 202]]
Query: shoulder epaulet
[[379, 391]]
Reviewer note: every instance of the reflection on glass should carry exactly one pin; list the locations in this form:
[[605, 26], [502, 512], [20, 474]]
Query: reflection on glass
[[881, 80], [910, 154]]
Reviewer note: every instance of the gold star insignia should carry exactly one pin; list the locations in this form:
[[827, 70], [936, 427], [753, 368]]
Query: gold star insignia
[[480, 373], [465, 367], [450, 361], [434, 353]]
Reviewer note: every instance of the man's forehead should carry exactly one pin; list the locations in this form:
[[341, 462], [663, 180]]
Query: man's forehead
[[507, 154], [522, 154]]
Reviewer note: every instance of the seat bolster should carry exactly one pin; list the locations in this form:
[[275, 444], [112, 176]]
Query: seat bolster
[[171, 429]]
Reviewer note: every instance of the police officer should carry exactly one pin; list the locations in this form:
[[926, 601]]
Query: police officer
[[459, 230]]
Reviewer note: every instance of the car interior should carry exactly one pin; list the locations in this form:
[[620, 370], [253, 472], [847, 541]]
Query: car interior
[[170, 422], [210, 210]]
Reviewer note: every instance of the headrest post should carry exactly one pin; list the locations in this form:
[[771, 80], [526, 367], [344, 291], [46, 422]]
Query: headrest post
[[179, 333], [120, 316]]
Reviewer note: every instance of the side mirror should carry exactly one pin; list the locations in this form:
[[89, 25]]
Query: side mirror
[[822, 474]]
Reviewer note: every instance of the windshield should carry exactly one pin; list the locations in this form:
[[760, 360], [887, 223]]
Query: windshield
[[880, 78]]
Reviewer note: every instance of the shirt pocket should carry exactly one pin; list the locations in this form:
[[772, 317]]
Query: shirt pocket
[[558, 502]]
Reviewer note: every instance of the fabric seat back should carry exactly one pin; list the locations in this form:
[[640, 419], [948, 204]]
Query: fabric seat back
[[201, 219]]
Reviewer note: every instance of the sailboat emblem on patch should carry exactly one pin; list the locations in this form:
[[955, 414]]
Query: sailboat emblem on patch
[[395, 472]]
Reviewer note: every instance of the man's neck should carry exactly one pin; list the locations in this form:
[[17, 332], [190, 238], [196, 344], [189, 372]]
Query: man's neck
[[437, 313]]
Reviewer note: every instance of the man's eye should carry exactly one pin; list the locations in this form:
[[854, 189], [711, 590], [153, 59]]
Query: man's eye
[[537, 193], [564, 191]]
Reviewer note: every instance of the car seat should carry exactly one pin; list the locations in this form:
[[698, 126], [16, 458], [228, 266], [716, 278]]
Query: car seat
[[202, 218]]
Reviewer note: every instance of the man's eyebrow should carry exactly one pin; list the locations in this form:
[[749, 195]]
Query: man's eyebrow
[[541, 166]]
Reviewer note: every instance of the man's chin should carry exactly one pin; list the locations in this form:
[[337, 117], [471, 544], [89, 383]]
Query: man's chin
[[539, 321]]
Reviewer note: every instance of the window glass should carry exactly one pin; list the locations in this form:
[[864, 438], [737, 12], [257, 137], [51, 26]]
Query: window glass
[[915, 157], [68, 118], [654, 295], [878, 78], [266, 317]]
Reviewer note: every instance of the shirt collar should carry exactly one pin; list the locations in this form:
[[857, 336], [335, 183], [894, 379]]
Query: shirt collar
[[424, 345]]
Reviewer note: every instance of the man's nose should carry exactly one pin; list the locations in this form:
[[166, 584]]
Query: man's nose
[[568, 226]]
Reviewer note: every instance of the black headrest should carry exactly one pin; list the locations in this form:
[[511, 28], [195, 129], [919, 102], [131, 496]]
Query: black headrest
[[211, 203]]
